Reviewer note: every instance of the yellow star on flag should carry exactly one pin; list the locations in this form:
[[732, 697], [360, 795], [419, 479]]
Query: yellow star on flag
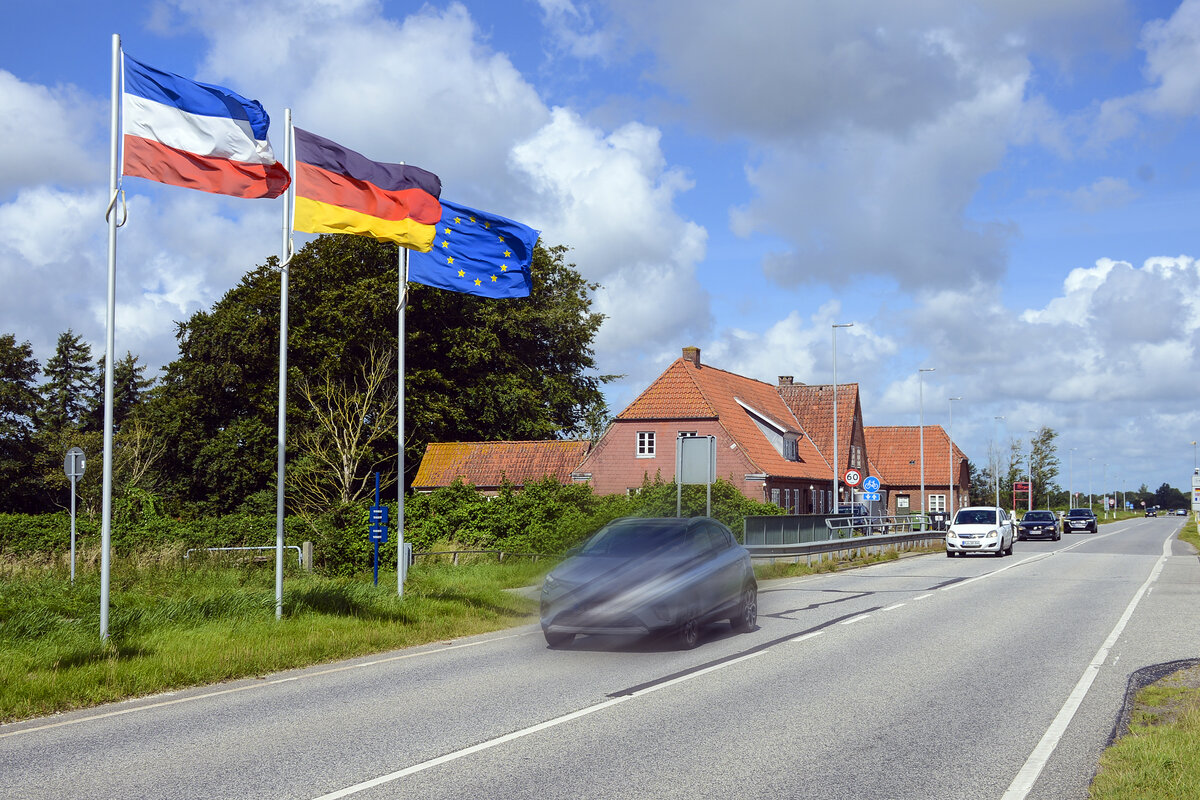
[[449, 259], [462, 273], [478, 282]]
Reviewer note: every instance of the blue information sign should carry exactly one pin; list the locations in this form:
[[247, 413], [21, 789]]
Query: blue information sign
[[871, 484], [872, 497]]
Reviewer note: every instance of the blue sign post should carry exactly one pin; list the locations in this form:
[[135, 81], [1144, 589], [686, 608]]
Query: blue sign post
[[377, 520]]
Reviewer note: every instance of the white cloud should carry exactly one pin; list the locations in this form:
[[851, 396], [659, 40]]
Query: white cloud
[[50, 135]]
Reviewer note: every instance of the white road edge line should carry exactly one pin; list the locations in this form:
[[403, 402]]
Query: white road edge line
[[541, 726], [257, 685], [1029, 773]]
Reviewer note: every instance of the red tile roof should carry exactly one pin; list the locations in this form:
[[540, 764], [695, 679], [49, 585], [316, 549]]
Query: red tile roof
[[813, 406], [489, 464], [686, 390], [896, 454]]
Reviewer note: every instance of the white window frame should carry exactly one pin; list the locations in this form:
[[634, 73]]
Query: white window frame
[[937, 502], [645, 444], [903, 501]]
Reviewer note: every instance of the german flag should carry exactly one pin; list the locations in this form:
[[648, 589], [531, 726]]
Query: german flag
[[341, 191]]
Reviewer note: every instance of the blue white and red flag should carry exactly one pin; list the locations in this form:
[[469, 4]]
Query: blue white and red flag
[[184, 133]]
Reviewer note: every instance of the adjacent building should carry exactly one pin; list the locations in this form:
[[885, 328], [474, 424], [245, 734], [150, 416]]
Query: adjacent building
[[895, 455], [489, 465]]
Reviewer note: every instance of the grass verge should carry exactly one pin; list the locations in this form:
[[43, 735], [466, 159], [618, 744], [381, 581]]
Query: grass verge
[[170, 628], [1159, 759]]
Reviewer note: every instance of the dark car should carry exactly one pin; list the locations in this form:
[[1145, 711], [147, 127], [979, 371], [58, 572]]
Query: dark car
[[1080, 519], [1038, 523], [1151, 512], [651, 576]]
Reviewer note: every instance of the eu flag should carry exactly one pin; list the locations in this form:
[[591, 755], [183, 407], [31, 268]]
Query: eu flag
[[476, 253]]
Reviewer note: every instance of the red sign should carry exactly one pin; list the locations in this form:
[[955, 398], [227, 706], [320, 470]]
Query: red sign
[[852, 477], [1021, 486]]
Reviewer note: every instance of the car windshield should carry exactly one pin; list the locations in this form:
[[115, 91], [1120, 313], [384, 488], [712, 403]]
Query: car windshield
[[975, 516], [1039, 516], [634, 537], [1079, 512]]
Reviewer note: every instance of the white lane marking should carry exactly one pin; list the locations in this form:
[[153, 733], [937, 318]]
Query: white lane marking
[[893, 608], [853, 620], [806, 636], [922, 597], [257, 685], [541, 726], [1029, 773]]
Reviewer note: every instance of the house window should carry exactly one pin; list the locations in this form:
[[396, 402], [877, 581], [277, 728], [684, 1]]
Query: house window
[[937, 502], [775, 496], [645, 444], [902, 502], [686, 434]]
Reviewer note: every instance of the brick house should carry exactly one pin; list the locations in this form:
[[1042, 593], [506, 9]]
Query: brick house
[[895, 460], [487, 465], [812, 405], [762, 448]]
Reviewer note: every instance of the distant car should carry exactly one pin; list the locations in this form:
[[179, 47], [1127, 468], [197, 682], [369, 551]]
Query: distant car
[[1181, 512], [1151, 512], [1080, 519], [648, 576], [980, 529], [860, 515], [1039, 523]]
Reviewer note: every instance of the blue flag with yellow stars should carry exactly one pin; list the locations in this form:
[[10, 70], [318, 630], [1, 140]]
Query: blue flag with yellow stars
[[476, 253]]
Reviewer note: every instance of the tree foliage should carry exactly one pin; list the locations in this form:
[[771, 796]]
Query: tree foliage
[[475, 368], [19, 403]]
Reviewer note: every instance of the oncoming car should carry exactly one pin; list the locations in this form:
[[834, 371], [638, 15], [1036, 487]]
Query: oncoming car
[[646, 576], [1080, 519], [980, 529], [1038, 523]]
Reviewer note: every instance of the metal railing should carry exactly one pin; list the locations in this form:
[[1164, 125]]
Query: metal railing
[[299, 554], [843, 526], [500, 554], [859, 544]]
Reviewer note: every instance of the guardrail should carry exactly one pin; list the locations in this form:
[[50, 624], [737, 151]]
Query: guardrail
[[853, 543], [850, 525], [500, 554], [299, 555]]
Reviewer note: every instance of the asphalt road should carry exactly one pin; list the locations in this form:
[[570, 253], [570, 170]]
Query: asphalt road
[[925, 677]]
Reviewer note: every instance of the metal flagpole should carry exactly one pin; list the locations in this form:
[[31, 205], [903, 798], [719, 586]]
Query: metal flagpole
[[281, 447], [401, 562], [110, 318]]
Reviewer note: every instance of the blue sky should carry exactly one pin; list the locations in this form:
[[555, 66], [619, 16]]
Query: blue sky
[[1002, 191]]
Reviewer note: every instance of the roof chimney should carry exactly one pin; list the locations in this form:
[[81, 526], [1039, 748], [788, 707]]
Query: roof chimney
[[692, 354], [785, 380]]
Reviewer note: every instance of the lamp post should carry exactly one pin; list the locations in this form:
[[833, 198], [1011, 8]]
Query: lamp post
[[1090, 460], [921, 394], [950, 402], [836, 499], [1029, 471], [1103, 491], [997, 475], [1071, 478], [1194, 465]]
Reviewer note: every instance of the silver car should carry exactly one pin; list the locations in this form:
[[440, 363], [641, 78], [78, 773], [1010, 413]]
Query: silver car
[[645, 576]]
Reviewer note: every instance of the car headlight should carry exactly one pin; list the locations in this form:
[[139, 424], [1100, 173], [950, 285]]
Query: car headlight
[[992, 534]]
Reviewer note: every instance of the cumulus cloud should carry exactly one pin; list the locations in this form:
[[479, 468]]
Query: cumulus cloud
[[51, 135]]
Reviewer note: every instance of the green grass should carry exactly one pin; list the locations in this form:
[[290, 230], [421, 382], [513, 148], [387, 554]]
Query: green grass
[[170, 628], [1159, 759]]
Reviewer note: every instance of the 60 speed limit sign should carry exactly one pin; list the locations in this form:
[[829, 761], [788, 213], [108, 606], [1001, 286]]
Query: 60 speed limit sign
[[853, 477]]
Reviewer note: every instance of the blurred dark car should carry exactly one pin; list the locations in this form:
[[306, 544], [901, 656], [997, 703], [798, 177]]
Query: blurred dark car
[[1038, 523], [1151, 512], [651, 576], [1080, 519]]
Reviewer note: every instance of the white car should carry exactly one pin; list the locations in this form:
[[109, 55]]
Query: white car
[[980, 529]]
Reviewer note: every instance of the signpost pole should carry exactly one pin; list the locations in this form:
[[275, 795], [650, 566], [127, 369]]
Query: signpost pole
[[73, 468]]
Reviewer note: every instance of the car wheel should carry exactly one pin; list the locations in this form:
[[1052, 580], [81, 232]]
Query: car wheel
[[747, 617], [688, 634], [1008, 552], [949, 554], [558, 639]]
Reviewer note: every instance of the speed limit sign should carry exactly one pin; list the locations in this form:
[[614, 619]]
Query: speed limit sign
[[853, 477]]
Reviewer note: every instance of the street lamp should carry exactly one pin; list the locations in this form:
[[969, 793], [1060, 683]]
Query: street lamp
[[1071, 478], [1103, 491], [1194, 465], [997, 465], [921, 392], [1090, 460], [951, 435], [1029, 471], [836, 499]]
